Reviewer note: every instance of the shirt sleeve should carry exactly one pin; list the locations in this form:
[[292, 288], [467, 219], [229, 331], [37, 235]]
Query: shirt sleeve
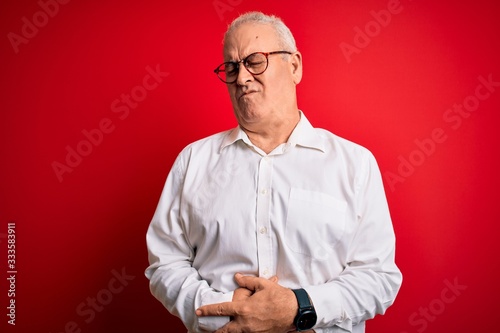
[[173, 279], [371, 280]]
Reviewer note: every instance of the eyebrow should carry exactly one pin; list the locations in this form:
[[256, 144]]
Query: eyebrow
[[233, 60], [242, 57], [249, 53]]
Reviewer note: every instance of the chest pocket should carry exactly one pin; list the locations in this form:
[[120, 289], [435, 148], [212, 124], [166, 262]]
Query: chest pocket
[[315, 223]]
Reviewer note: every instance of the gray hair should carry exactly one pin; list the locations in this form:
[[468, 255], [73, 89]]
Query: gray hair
[[285, 37]]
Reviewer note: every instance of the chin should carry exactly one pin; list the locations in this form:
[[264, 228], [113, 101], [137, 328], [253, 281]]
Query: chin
[[247, 115]]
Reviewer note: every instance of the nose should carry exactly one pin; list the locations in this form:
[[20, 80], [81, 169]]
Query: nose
[[244, 75]]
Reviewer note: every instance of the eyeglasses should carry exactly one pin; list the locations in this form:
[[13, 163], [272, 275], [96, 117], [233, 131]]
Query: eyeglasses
[[255, 63]]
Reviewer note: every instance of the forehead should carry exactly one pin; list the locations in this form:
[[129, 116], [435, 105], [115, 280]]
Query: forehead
[[248, 38]]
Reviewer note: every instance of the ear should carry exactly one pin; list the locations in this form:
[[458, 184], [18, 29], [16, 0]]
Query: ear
[[296, 66]]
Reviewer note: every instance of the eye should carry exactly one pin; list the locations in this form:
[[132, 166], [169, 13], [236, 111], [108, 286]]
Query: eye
[[255, 60], [230, 68], [254, 63]]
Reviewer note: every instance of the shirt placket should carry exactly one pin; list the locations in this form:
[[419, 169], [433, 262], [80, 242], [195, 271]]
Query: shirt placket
[[264, 241]]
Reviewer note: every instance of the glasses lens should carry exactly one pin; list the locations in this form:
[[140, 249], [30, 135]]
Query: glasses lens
[[228, 71], [256, 63]]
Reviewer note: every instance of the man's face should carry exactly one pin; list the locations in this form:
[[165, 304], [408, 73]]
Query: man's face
[[261, 97]]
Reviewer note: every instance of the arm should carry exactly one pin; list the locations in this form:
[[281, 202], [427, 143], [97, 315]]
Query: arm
[[173, 279], [366, 287], [262, 306], [370, 281]]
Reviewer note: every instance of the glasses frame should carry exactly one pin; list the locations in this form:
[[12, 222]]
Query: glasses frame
[[244, 61]]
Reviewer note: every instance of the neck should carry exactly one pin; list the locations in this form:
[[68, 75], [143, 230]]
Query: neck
[[267, 135]]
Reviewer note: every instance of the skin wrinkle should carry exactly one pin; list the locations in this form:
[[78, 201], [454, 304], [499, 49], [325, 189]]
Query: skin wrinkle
[[265, 107], [269, 113], [267, 228]]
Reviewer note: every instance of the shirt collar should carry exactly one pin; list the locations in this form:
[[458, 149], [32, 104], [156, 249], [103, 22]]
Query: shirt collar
[[302, 135], [234, 135]]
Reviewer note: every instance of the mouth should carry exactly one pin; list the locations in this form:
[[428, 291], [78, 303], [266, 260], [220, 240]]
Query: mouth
[[246, 93]]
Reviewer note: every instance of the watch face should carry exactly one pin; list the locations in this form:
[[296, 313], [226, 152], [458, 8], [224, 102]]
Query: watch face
[[306, 320]]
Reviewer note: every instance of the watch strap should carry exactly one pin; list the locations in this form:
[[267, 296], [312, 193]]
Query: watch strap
[[302, 298]]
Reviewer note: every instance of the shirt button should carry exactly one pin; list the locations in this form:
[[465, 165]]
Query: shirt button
[[266, 272], [263, 191], [263, 230]]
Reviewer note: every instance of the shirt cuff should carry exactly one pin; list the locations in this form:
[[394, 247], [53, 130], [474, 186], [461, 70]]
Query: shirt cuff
[[212, 323], [328, 306]]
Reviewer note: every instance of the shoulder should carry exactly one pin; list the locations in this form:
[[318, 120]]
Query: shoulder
[[202, 151], [343, 146], [356, 159], [207, 144]]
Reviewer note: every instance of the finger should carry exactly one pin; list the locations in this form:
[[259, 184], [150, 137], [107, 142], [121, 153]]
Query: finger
[[230, 327], [219, 309], [273, 279], [241, 294], [245, 292], [250, 282]]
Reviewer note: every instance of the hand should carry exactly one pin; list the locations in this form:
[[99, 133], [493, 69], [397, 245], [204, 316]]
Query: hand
[[242, 293], [270, 309]]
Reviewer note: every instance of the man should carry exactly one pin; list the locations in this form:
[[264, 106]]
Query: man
[[273, 226]]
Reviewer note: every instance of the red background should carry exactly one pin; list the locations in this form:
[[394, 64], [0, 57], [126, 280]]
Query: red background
[[74, 231]]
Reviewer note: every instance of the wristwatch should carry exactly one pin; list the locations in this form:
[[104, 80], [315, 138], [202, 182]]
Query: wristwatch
[[306, 316]]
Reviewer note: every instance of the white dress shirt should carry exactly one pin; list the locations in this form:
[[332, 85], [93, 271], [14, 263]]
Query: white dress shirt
[[312, 212]]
